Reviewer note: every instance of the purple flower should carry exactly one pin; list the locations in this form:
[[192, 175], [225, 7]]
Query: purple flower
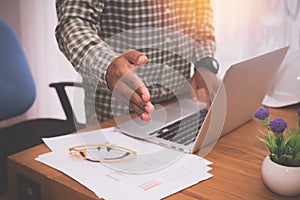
[[262, 113], [278, 125]]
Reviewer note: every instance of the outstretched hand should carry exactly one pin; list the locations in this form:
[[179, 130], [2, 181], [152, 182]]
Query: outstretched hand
[[127, 86]]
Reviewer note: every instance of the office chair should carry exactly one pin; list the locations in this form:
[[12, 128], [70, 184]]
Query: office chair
[[18, 92]]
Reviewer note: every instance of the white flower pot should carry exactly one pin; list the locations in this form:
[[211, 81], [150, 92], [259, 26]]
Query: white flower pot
[[280, 179]]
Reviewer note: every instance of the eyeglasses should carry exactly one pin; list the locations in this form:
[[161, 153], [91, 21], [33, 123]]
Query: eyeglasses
[[102, 153]]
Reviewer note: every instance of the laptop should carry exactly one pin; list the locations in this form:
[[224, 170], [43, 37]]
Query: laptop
[[188, 126]]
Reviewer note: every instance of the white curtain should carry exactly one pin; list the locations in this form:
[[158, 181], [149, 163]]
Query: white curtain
[[38, 21]]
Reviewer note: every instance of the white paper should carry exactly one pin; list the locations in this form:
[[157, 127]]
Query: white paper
[[104, 181], [108, 135]]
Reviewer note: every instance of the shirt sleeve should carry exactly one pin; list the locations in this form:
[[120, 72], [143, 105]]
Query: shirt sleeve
[[77, 34], [204, 29]]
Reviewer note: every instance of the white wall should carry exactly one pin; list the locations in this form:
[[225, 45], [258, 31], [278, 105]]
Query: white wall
[[251, 27]]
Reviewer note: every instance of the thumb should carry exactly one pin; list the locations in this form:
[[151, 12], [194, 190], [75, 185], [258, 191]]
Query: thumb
[[135, 57]]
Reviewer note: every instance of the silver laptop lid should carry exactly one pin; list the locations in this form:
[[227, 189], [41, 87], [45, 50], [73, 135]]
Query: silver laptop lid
[[241, 92]]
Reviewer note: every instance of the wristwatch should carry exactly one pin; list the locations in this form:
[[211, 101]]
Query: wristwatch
[[209, 63]]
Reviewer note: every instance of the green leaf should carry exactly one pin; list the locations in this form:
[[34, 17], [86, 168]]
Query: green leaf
[[287, 140], [285, 159], [264, 141], [297, 130], [288, 151], [274, 157], [297, 156], [273, 145], [266, 122], [296, 146], [265, 136], [296, 136]]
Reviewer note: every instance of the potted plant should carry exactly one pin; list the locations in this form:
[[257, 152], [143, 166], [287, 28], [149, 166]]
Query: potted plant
[[281, 168]]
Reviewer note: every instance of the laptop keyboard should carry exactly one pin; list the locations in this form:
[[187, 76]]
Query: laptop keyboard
[[183, 131]]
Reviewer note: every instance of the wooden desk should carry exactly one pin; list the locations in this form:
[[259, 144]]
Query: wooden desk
[[237, 160]]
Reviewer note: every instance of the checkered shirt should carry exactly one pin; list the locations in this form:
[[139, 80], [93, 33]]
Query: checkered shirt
[[171, 33]]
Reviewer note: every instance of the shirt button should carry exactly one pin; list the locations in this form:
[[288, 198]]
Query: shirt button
[[167, 11], [168, 39]]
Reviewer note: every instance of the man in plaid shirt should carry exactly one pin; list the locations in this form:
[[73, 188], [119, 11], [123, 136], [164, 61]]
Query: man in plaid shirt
[[131, 51]]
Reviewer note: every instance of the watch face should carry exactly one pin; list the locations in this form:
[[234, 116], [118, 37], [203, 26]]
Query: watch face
[[209, 63], [215, 64]]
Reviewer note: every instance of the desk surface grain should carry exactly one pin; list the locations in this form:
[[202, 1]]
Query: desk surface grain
[[237, 159]]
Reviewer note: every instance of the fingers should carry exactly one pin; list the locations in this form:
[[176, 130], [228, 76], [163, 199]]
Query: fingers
[[195, 88], [204, 84], [127, 86], [134, 101], [199, 89], [134, 82], [136, 88], [144, 93], [203, 95], [209, 97]]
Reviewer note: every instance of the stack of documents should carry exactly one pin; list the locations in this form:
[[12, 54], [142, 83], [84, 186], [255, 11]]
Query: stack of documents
[[157, 172]]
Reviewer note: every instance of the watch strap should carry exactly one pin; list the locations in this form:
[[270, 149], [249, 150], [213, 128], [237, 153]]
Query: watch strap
[[209, 63]]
